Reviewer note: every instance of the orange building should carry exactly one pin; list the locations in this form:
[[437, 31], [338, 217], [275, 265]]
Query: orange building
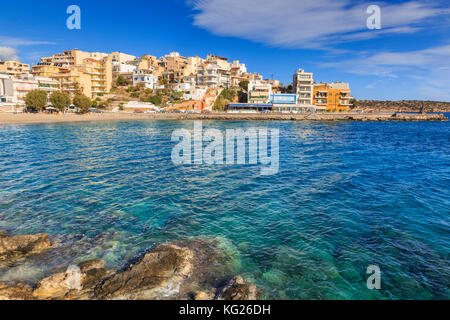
[[333, 97]]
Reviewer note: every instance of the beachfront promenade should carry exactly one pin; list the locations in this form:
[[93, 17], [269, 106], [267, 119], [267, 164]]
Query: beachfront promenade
[[9, 118]]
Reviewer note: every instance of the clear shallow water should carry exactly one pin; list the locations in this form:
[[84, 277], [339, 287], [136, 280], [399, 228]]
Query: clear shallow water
[[348, 195]]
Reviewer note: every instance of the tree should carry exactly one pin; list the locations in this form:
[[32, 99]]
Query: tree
[[60, 100], [353, 103], [156, 100], [82, 102], [121, 81], [244, 84], [36, 100]]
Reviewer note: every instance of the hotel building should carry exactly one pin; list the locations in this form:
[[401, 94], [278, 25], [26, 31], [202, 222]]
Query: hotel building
[[14, 68], [259, 92], [332, 97], [145, 78], [304, 87], [7, 101]]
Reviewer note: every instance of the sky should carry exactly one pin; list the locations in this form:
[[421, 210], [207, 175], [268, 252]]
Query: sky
[[408, 58]]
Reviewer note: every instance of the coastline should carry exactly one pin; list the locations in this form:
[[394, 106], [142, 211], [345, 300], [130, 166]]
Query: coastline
[[17, 119], [177, 270]]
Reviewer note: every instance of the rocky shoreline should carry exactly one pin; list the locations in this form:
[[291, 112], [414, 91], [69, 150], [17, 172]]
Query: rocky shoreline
[[8, 118], [172, 271]]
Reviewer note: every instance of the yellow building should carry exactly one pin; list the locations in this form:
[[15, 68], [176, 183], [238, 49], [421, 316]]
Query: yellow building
[[99, 76], [47, 70], [333, 97], [78, 71], [14, 68]]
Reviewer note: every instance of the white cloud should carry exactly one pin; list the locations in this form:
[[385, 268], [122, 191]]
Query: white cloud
[[388, 62], [8, 53], [427, 71], [16, 42], [307, 23]]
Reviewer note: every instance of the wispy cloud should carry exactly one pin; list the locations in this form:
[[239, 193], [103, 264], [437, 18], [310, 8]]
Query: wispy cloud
[[307, 23], [9, 47], [427, 71], [8, 53], [17, 42], [388, 62]]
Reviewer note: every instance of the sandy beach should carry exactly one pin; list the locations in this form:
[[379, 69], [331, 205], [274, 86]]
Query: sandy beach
[[13, 119]]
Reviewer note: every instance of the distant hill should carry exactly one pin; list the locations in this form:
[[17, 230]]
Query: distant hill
[[403, 106]]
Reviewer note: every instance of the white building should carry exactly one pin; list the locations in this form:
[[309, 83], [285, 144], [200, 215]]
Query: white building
[[259, 92], [240, 68], [22, 85], [119, 68], [182, 87], [213, 76], [145, 78], [136, 106], [195, 93], [304, 87], [7, 100]]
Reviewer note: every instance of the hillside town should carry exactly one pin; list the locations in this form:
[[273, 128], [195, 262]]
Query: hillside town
[[125, 83]]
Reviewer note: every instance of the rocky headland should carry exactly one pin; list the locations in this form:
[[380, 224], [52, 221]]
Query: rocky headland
[[180, 270]]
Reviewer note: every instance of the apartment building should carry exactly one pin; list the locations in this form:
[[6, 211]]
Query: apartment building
[[122, 65], [259, 92], [213, 76], [22, 85], [48, 85], [14, 68], [332, 97], [147, 62], [195, 92], [46, 70], [7, 101], [120, 57], [237, 78], [304, 87], [238, 68], [91, 77], [100, 76], [123, 69], [145, 78], [72, 58], [219, 61]]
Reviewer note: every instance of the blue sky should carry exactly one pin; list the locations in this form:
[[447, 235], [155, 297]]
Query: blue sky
[[408, 58]]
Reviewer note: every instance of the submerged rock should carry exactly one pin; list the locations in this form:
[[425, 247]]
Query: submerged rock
[[15, 292], [13, 247], [160, 270], [239, 289], [77, 283], [192, 269]]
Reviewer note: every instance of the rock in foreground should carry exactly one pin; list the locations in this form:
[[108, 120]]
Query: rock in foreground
[[21, 246], [15, 292], [157, 272], [181, 270], [239, 289]]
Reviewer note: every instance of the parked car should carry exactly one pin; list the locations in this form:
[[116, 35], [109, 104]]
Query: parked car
[[71, 109], [94, 110]]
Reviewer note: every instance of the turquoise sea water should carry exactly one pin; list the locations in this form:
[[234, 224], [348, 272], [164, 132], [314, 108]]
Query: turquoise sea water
[[348, 195]]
